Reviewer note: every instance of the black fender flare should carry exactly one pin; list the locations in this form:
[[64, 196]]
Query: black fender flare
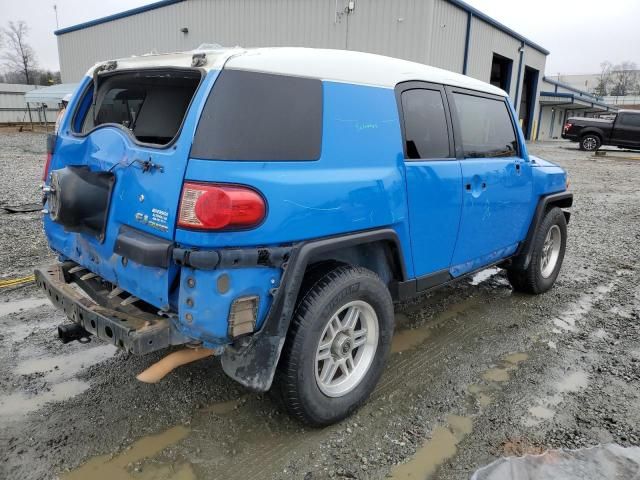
[[252, 361], [522, 258]]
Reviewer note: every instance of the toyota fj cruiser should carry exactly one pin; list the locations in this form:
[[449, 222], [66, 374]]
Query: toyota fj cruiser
[[271, 204]]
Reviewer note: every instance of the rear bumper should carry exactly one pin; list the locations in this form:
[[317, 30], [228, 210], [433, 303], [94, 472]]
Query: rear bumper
[[138, 333]]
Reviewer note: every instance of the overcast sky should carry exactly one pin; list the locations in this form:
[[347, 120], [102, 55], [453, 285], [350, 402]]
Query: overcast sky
[[580, 34]]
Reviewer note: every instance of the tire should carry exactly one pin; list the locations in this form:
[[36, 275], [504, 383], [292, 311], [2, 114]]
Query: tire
[[590, 142], [543, 270], [311, 393]]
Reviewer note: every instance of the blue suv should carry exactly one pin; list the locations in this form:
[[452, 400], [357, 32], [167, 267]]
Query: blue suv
[[269, 206]]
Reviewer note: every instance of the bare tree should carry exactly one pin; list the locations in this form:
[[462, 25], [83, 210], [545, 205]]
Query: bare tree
[[19, 56], [604, 80], [625, 78]]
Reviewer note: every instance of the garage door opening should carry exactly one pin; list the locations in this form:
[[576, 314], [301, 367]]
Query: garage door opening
[[501, 72], [527, 100]]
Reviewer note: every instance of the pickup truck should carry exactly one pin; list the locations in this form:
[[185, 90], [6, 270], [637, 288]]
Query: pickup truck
[[622, 131]]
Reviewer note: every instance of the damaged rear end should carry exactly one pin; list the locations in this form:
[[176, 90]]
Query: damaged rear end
[[114, 184]]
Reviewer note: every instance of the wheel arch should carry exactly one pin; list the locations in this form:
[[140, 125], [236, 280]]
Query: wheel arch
[[545, 203], [253, 361], [592, 131]]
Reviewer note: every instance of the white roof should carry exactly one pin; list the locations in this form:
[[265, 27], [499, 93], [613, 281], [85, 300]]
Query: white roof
[[333, 65]]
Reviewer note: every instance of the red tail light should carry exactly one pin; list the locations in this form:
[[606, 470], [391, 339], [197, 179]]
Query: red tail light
[[217, 207], [47, 163], [567, 126], [51, 143]]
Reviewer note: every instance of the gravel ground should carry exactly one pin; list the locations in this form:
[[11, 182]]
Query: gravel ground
[[477, 371]]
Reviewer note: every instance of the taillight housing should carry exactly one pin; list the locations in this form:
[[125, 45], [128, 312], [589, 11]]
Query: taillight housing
[[567, 126], [51, 143], [207, 206]]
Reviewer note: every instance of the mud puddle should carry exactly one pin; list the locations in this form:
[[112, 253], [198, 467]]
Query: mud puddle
[[54, 376], [67, 365], [546, 407], [16, 306], [442, 446], [566, 321], [19, 404], [502, 373], [408, 338], [125, 465], [444, 441]]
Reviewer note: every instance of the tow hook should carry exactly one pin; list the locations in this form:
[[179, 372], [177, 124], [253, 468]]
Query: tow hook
[[69, 332]]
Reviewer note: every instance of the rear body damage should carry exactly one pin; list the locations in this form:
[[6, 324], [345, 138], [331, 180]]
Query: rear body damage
[[236, 201]]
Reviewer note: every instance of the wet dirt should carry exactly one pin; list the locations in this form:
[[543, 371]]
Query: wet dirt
[[476, 371], [107, 467]]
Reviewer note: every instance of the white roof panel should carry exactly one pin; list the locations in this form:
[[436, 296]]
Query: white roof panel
[[332, 65]]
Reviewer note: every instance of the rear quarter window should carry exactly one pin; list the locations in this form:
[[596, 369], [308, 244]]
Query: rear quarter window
[[260, 117]]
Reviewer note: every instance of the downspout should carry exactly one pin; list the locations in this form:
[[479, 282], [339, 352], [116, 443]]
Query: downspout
[[467, 42], [517, 99], [539, 120]]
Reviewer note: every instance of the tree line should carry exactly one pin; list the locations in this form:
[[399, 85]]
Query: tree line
[[19, 61], [618, 80]]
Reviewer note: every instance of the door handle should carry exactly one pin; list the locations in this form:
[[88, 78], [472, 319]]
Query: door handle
[[483, 186], [518, 168]]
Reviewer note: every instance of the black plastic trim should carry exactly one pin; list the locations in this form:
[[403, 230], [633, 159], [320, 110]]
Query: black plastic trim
[[143, 248], [561, 199], [231, 258], [253, 360], [418, 85]]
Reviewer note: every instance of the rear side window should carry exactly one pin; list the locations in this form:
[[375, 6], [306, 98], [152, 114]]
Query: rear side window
[[259, 116], [425, 124], [631, 119], [487, 129]]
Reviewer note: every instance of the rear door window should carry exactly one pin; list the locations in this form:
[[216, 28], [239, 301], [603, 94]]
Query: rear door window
[[630, 119], [486, 126], [260, 117], [425, 124]]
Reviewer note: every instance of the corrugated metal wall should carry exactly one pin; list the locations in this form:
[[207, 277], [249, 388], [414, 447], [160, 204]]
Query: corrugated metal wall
[[248, 23], [485, 41], [397, 28], [426, 31], [449, 27]]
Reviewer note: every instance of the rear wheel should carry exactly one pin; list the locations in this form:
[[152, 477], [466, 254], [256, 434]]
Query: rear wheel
[[337, 345], [590, 142], [549, 244]]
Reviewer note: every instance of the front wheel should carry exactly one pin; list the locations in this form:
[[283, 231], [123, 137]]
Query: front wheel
[[590, 143], [549, 244], [337, 345]]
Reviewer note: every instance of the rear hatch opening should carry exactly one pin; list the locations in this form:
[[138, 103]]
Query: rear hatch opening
[[117, 170], [149, 104]]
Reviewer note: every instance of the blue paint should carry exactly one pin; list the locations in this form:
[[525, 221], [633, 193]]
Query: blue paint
[[361, 181], [434, 195]]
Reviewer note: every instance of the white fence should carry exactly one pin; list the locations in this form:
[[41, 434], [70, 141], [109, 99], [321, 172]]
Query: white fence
[[13, 108]]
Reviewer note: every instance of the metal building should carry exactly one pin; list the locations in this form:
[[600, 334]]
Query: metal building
[[559, 101], [444, 33]]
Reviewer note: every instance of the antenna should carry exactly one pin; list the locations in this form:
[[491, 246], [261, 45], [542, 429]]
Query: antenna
[[55, 9]]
